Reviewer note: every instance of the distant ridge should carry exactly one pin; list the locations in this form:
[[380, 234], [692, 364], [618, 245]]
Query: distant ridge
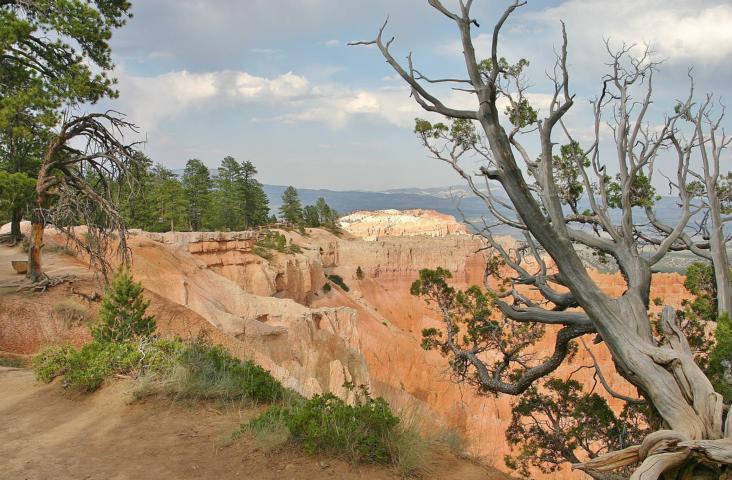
[[452, 200]]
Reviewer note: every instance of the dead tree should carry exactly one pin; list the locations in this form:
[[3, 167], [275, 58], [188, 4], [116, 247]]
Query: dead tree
[[77, 183], [695, 432], [710, 195]]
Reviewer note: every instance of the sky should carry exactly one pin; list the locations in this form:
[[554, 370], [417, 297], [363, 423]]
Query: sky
[[273, 81]]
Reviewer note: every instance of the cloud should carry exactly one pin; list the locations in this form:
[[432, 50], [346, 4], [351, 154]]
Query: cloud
[[292, 98], [150, 99], [677, 30], [332, 43]]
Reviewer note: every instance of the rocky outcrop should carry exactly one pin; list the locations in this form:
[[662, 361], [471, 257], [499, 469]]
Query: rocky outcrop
[[390, 223], [231, 254], [309, 350]]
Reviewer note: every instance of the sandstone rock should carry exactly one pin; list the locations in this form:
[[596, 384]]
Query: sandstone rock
[[387, 223]]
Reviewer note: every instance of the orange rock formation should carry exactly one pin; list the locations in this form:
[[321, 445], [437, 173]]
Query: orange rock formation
[[276, 312]]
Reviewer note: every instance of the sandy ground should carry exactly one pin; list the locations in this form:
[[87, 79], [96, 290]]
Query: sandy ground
[[47, 433]]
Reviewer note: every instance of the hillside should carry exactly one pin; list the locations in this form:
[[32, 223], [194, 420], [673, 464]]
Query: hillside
[[46, 433]]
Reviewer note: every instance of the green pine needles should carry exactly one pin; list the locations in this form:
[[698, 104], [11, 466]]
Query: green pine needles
[[122, 314]]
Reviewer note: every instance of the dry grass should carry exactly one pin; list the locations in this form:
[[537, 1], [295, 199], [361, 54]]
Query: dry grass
[[73, 313], [421, 447], [60, 249]]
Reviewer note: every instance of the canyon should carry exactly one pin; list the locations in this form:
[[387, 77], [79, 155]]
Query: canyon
[[276, 312]]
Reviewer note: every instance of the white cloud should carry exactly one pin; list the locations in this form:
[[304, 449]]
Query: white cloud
[[675, 29], [291, 97], [332, 43]]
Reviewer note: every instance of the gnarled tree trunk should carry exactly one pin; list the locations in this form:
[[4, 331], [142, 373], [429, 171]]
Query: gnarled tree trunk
[[664, 373]]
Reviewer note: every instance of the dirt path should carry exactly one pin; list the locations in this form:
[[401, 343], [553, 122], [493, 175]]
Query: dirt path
[[47, 433]]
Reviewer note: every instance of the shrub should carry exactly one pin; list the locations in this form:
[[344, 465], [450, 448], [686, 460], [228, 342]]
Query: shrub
[[326, 424], [262, 252], [200, 371], [51, 362], [211, 372], [338, 280], [194, 370], [86, 369], [275, 241], [95, 362], [720, 358], [359, 273], [11, 362], [294, 248], [327, 288], [122, 314]]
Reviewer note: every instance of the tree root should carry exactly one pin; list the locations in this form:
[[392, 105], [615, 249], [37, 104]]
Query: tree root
[[46, 282], [661, 452]]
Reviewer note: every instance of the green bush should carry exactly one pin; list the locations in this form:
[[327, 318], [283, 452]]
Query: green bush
[[122, 314], [326, 424], [52, 362], [210, 372], [194, 370], [95, 362], [275, 241], [327, 288], [338, 280], [262, 252], [87, 368], [720, 358]]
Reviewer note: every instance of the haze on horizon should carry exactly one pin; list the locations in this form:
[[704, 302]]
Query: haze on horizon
[[274, 82]]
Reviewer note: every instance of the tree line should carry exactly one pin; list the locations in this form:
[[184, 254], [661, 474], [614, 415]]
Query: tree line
[[231, 200], [62, 163]]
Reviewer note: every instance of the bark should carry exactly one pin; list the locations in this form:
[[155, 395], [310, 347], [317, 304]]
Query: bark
[[718, 252], [16, 217], [35, 270]]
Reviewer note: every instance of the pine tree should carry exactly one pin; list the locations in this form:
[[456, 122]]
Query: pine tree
[[229, 193], [168, 199], [291, 209], [122, 313], [328, 216], [311, 216], [256, 203], [197, 185]]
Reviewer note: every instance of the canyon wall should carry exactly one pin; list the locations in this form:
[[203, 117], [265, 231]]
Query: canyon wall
[[276, 312], [390, 321], [389, 223]]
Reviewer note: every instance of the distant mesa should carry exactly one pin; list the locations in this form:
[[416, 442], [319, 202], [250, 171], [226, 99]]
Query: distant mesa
[[373, 225]]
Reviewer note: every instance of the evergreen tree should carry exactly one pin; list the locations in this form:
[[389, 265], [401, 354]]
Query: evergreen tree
[[328, 216], [291, 209], [197, 185], [167, 198], [228, 197], [133, 204], [311, 216], [122, 313], [256, 203]]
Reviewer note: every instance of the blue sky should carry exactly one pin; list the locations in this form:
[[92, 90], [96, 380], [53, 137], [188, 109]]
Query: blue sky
[[272, 81]]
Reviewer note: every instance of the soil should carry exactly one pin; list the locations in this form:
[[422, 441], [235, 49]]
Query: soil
[[47, 433]]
